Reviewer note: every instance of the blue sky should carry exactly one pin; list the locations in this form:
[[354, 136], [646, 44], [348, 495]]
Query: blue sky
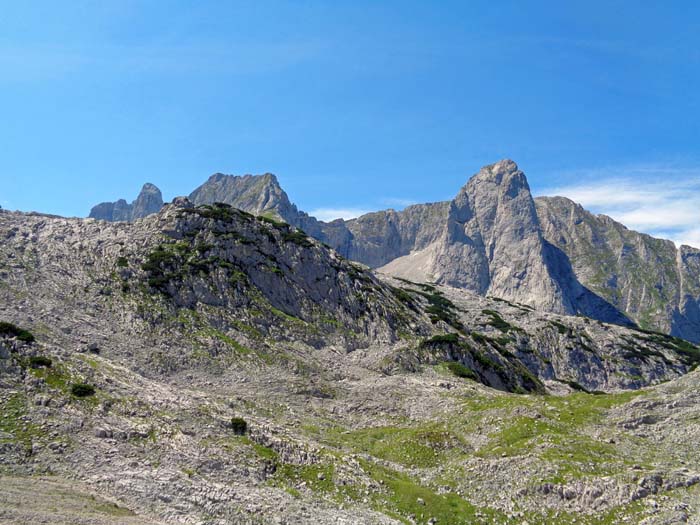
[[354, 105]]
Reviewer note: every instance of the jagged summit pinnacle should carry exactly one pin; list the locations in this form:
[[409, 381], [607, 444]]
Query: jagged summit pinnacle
[[150, 188], [502, 172], [149, 200], [501, 167]]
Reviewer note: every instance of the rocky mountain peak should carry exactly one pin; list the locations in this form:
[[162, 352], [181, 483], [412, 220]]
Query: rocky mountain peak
[[258, 194], [150, 188], [498, 170], [504, 175], [149, 200]]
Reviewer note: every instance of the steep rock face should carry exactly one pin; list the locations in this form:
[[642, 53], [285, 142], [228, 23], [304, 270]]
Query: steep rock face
[[378, 238], [493, 242], [490, 242], [653, 282], [149, 200], [257, 194]]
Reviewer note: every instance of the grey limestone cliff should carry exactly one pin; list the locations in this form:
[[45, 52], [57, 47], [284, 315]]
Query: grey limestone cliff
[[491, 243], [149, 200], [655, 283]]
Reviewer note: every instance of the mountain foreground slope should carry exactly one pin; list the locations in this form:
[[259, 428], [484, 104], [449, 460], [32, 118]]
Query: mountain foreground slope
[[205, 365]]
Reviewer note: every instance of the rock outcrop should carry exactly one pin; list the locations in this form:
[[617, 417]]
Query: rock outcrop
[[149, 201], [256, 194]]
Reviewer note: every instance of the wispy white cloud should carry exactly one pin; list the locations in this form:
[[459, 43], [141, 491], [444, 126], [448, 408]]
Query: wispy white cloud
[[329, 214], [398, 201], [661, 201]]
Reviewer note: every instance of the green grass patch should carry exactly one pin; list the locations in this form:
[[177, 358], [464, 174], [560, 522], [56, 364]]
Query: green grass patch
[[401, 495], [412, 447], [265, 452], [12, 414]]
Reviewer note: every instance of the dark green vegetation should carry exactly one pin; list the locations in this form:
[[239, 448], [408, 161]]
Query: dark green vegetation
[[239, 426], [561, 328], [499, 323], [460, 370], [272, 221], [489, 362], [689, 351], [439, 308], [40, 361], [10, 330], [173, 262], [403, 296], [219, 211], [297, 237], [441, 339], [82, 390]]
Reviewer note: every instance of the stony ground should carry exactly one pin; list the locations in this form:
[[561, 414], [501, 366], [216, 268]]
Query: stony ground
[[349, 445]]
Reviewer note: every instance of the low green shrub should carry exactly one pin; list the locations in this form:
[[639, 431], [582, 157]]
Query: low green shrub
[[82, 390], [10, 330], [239, 426], [40, 361], [298, 237], [498, 322], [402, 295], [272, 221], [441, 339], [460, 370]]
